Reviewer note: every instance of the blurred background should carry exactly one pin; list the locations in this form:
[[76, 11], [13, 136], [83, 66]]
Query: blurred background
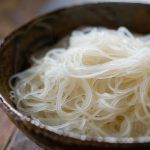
[[14, 13]]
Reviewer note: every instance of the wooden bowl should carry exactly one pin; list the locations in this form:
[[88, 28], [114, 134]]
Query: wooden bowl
[[45, 31]]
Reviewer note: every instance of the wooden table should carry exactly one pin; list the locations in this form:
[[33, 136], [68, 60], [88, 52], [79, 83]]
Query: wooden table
[[13, 139], [14, 13]]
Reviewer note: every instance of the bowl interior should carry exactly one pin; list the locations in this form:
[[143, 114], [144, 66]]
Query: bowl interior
[[46, 30]]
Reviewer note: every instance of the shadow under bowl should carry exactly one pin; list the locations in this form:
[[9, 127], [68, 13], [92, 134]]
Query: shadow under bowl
[[45, 31]]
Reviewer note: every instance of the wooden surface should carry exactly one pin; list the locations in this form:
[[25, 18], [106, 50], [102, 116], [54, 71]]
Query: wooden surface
[[18, 141], [14, 13], [6, 129]]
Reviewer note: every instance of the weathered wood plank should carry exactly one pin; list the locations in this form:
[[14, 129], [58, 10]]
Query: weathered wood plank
[[20, 142], [6, 129]]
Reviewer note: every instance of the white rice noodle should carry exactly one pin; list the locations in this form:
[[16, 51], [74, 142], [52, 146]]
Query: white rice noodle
[[98, 86]]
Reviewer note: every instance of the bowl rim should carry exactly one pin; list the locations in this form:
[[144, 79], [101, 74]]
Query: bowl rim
[[71, 137]]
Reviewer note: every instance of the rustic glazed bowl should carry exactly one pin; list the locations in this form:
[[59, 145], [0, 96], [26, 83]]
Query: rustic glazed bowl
[[43, 32]]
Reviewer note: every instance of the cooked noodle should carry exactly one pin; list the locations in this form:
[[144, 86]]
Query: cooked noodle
[[98, 86]]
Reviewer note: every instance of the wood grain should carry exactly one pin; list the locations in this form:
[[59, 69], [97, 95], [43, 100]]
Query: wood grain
[[20, 142], [6, 129]]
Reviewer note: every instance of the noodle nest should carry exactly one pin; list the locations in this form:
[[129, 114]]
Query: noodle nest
[[98, 86]]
